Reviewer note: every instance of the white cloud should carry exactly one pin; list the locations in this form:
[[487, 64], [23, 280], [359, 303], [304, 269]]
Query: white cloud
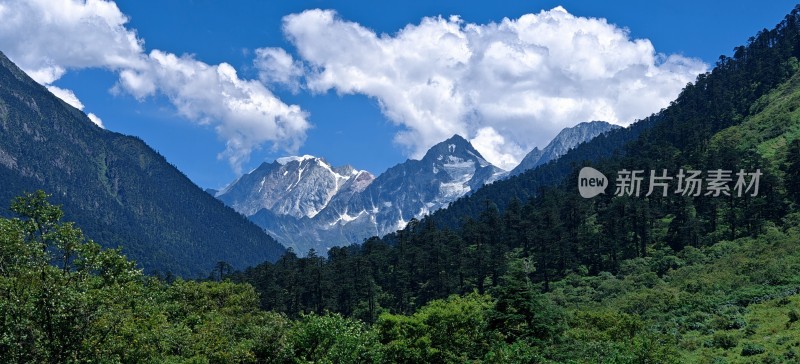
[[47, 38], [250, 113], [66, 95], [508, 86], [95, 119], [276, 66], [494, 147]]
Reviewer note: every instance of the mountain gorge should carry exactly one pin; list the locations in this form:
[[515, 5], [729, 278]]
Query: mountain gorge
[[120, 191]]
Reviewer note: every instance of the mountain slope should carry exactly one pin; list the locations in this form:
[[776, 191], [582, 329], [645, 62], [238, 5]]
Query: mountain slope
[[121, 192], [567, 139]]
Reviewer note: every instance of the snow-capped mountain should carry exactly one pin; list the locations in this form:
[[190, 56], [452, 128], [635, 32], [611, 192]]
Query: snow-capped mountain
[[567, 139], [293, 186], [305, 203], [449, 170]]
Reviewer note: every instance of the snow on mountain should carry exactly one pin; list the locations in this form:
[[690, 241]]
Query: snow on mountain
[[285, 160], [293, 186], [304, 203], [449, 170]]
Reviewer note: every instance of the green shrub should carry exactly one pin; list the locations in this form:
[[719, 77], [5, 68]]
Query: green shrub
[[724, 340], [750, 349], [794, 315]]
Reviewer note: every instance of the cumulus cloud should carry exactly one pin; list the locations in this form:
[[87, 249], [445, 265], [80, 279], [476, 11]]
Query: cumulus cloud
[[276, 66], [47, 38], [494, 147], [250, 113], [507, 86], [95, 119], [66, 95], [34, 35]]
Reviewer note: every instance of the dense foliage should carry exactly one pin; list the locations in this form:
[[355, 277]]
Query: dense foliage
[[64, 299], [120, 191]]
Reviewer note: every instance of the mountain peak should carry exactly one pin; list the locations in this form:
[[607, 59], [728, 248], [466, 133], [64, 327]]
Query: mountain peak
[[298, 186], [458, 139], [309, 204], [286, 160], [454, 146]]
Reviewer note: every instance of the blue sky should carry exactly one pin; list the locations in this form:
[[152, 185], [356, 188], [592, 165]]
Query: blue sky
[[353, 104]]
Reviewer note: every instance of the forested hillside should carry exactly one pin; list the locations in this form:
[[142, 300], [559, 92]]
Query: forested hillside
[[119, 190]]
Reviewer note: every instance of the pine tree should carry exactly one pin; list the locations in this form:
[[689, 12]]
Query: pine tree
[[522, 311], [792, 169]]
